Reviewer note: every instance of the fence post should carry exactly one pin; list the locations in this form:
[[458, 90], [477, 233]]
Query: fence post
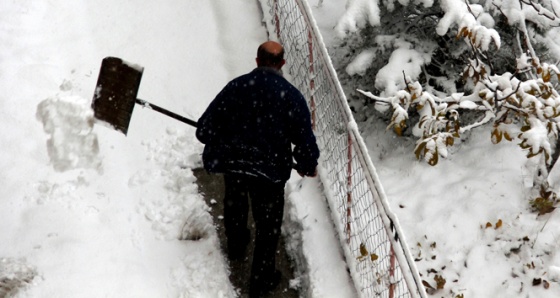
[[349, 190], [311, 77], [392, 274], [276, 19]]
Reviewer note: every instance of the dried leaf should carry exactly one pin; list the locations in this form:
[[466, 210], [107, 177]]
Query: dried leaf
[[542, 205], [498, 224], [374, 257], [440, 281], [398, 130], [546, 284], [546, 210], [536, 281], [427, 285], [496, 136], [400, 127], [419, 149], [434, 160], [546, 76], [363, 250], [450, 141], [546, 194], [488, 225]]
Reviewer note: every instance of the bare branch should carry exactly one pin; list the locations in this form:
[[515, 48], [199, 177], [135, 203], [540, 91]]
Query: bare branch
[[375, 98], [541, 10], [512, 93], [487, 117], [553, 10], [469, 8], [405, 82]]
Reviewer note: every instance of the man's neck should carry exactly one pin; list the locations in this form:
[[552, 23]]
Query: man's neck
[[271, 69]]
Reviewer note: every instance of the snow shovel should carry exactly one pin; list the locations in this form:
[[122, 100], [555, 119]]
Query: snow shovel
[[115, 94]]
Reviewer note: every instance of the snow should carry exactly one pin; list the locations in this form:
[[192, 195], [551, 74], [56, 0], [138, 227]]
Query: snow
[[88, 212], [361, 63], [403, 60], [323, 264], [357, 15], [467, 219], [68, 121]]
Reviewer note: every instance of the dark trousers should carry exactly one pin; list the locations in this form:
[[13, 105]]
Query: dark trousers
[[267, 204]]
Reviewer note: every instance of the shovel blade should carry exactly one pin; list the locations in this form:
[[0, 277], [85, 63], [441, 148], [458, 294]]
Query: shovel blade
[[115, 92]]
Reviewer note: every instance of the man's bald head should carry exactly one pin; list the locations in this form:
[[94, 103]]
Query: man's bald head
[[270, 54]]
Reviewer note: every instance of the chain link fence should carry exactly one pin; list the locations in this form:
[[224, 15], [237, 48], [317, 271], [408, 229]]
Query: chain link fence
[[379, 260]]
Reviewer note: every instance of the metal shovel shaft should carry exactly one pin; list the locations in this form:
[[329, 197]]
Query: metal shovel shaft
[[165, 112]]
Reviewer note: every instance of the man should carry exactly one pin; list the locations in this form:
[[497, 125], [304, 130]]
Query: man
[[248, 130]]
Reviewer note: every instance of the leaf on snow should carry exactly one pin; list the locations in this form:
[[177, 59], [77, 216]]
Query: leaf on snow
[[427, 285], [363, 250], [496, 136], [498, 224], [419, 149], [440, 281]]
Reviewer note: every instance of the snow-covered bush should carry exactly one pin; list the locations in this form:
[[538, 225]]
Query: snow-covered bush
[[447, 66]]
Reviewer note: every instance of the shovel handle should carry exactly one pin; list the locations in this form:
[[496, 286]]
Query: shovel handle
[[166, 112]]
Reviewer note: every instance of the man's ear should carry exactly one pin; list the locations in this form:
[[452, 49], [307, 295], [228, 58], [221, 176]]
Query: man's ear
[[257, 60]]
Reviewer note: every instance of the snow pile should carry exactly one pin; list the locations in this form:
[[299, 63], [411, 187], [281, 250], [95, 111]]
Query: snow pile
[[68, 120], [311, 240], [405, 59], [65, 192], [182, 214], [14, 274], [358, 14], [200, 273]]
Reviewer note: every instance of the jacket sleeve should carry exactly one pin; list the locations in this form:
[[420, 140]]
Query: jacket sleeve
[[306, 152], [210, 123]]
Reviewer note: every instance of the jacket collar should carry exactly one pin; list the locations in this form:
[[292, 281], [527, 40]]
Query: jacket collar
[[270, 70]]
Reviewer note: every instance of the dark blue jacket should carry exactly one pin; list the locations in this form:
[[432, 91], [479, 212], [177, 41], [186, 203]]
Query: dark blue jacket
[[251, 125]]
